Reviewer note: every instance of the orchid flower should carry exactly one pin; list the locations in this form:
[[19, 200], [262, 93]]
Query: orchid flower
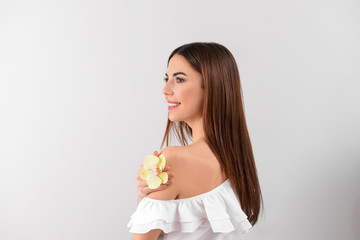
[[153, 171]]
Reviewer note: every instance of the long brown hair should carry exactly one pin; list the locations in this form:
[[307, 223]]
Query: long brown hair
[[223, 120]]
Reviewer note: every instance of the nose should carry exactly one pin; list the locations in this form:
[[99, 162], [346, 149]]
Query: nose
[[167, 90]]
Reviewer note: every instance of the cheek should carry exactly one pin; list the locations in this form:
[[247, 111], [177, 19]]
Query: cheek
[[193, 99]]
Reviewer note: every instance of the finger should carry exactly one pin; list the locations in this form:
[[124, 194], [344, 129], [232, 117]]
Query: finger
[[147, 190], [171, 174], [171, 177], [138, 174], [144, 188], [139, 179], [141, 167], [141, 184], [156, 153], [163, 186]]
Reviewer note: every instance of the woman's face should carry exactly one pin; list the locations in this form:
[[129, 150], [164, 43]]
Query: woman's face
[[183, 85]]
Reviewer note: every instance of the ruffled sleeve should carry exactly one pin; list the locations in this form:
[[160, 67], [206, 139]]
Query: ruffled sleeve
[[219, 208]]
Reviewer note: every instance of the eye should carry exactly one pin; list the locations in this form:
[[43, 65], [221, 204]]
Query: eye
[[180, 79]]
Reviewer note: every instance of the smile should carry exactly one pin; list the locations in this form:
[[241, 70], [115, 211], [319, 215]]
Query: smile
[[173, 105]]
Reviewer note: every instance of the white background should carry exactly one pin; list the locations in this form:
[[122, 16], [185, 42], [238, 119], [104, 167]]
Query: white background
[[81, 105]]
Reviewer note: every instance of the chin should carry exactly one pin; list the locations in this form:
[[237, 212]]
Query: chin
[[173, 119]]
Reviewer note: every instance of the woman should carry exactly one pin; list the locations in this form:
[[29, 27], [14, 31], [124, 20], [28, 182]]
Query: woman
[[216, 192]]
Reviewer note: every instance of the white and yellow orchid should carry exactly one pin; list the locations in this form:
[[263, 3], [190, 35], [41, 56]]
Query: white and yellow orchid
[[153, 171]]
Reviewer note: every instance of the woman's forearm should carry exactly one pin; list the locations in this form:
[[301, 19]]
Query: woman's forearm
[[151, 235]]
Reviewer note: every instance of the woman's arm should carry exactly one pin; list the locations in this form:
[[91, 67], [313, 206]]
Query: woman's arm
[[143, 188], [151, 235], [169, 192]]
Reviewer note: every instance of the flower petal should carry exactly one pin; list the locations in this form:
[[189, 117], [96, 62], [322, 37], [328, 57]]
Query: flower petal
[[163, 176], [150, 160], [162, 161], [153, 181], [144, 173]]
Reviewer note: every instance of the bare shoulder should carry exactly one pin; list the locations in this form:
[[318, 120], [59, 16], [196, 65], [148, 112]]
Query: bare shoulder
[[170, 151], [194, 156], [174, 154], [192, 166]]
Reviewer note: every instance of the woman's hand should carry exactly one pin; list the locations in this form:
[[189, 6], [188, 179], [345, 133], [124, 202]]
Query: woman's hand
[[143, 188]]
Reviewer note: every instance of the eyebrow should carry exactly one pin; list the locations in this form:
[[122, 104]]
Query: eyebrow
[[177, 73]]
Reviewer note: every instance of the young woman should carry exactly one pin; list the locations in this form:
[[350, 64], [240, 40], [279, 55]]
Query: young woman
[[215, 193]]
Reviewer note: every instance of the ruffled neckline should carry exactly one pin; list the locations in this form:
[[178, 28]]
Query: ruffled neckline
[[223, 185], [218, 208]]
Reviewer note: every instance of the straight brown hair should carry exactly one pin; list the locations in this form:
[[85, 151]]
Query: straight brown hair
[[223, 120]]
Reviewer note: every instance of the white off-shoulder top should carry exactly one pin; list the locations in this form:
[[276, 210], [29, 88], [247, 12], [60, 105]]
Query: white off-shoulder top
[[212, 215]]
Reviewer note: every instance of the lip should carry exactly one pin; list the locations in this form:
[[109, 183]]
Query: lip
[[172, 102], [172, 107]]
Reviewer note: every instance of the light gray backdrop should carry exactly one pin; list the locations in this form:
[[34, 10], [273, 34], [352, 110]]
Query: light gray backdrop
[[81, 105]]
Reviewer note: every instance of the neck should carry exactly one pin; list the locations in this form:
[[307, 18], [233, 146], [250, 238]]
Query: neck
[[197, 128]]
